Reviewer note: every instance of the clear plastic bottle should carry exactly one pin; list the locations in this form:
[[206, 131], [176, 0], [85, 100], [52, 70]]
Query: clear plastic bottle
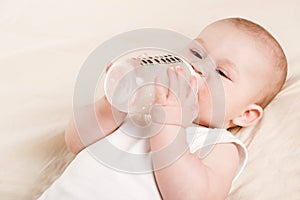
[[129, 83]]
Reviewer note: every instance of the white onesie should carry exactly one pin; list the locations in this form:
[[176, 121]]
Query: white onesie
[[87, 178]]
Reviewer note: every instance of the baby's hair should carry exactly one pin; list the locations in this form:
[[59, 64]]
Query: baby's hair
[[277, 54]]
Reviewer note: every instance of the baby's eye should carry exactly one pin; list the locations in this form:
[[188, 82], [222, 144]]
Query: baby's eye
[[222, 73], [196, 53]]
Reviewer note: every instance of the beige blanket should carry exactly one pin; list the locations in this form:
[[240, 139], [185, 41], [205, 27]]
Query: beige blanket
[[44, 43]]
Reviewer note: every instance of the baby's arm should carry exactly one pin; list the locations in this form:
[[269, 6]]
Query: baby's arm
[[188, 177], [108, 120]]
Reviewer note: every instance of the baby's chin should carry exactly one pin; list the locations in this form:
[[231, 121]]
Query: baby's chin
[[204, 123]]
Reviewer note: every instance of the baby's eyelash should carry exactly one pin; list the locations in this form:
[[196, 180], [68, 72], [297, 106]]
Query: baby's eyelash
[[222, 73], [195, 53]]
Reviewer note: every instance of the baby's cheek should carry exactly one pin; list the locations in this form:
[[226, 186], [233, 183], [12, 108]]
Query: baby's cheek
[[204, 97]]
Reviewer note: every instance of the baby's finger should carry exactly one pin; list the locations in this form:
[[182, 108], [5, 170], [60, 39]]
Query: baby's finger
[[182, 83], [193, 84], [179, 70], [160, 94], [173, 82], [192, 93]]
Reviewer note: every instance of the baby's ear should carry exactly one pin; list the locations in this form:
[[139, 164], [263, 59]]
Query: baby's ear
[[250, 115]]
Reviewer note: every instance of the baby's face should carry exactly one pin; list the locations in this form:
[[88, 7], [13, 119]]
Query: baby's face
[[239, 64]]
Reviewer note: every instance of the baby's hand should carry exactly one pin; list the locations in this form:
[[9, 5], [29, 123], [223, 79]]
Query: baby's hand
[[176, 105]]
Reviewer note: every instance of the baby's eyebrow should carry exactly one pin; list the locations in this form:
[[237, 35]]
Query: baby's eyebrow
[[203, 45], [228, 63], [201, 42]]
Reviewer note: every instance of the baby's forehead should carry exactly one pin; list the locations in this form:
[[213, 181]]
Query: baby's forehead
[[254, 33], [229, 45], [219, 31]]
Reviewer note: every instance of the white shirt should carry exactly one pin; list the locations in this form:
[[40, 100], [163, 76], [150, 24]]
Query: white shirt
[[88, 177]]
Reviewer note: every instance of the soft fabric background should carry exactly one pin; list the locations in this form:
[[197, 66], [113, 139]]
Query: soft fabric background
[[43, 44]]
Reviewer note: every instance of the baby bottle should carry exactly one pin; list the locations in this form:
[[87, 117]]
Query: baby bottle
[[129, 82]]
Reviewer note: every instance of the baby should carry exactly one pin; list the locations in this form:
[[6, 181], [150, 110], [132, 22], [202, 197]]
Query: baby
[[252, 68]]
